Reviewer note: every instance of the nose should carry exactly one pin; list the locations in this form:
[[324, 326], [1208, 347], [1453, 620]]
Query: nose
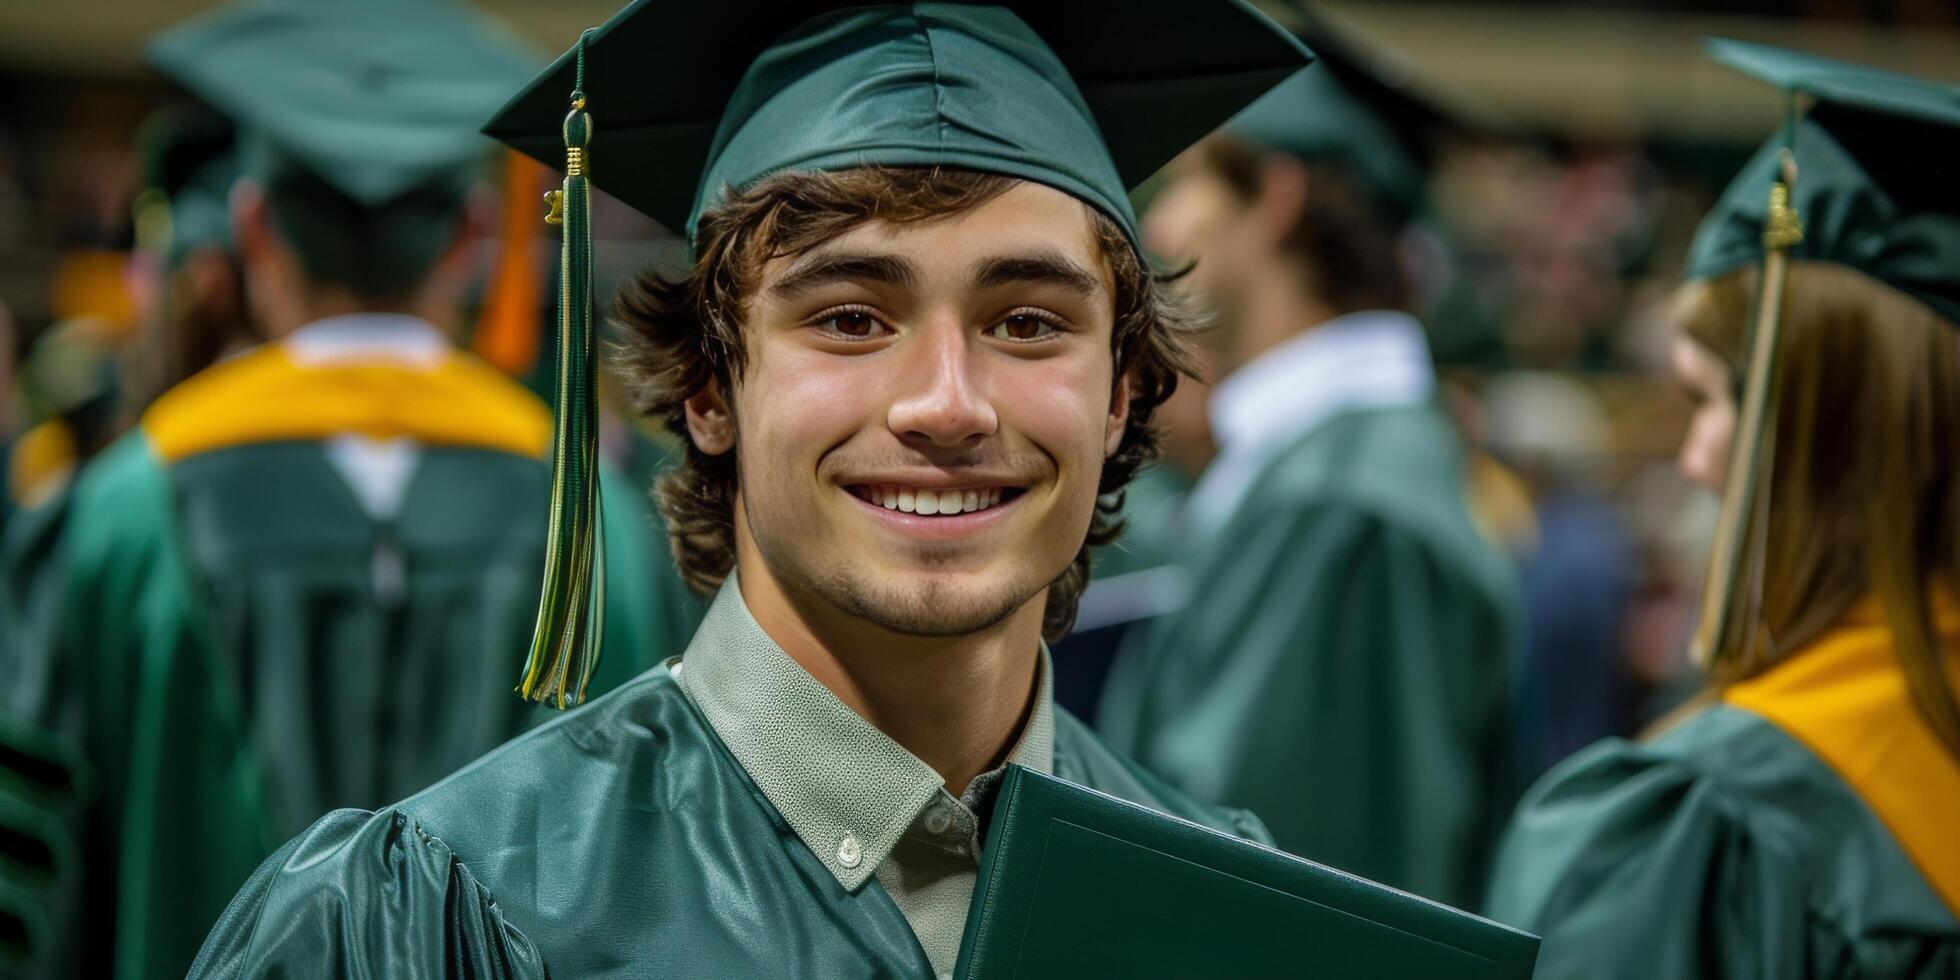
[[942, 401], [1703, 459]]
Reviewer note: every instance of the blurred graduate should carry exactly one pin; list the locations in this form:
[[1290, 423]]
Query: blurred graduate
[[1799, 819], [299, 584], [191, 310], [1343, 659], [916, 348]]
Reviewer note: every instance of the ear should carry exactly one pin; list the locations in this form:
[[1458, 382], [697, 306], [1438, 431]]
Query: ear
[[1119, 415], [1282, 195], [709, 422]]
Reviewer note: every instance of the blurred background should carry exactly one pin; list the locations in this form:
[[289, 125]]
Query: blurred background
[[1594, 135]]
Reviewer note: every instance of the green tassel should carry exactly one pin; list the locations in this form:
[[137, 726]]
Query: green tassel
[[571, 606]]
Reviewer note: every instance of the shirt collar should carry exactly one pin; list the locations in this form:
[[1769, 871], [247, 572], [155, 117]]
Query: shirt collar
[[367, 337], [1371, 359], [851, 801], [1362, 358]]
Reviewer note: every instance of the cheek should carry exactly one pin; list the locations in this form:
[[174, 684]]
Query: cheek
[[798, 404], [1061, 405]]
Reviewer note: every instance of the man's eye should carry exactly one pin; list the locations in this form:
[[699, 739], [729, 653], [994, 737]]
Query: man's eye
[[854, 324], [1022, 326]]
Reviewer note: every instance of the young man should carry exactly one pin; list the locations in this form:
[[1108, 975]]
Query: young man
[[917, 344], [1342, 662], [297, 585]]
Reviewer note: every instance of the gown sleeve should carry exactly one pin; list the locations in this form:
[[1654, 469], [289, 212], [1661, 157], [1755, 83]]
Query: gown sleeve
[[1630, 862], [363, 895]]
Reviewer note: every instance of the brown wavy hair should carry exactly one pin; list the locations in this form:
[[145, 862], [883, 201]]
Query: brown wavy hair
[[1864, 499], [680, 335]]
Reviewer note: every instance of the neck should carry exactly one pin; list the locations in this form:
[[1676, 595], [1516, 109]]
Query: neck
[[958, 703], [321, 304], [1277, 306]]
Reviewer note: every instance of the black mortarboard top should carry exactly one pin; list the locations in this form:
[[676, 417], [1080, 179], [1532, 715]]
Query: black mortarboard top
[[1876, 185], [673, 104]]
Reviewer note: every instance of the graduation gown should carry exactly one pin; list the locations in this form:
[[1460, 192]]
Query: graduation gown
[[1806, 826], [1343, 661], [620, 841], [246, 644]]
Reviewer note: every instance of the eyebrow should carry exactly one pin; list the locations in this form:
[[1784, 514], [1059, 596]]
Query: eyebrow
[[835, 267], [1052, 268]]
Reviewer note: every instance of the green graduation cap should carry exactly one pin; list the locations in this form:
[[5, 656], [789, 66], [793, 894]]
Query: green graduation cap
[[1354, 110], [671, 105], [691, 99], [363, 111], [188, 170], [1862, 178], [1876, 188]]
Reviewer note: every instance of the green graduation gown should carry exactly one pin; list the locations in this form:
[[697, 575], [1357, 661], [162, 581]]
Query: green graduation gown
[[1342, 663], [620, 841], [244, 645], [1806, 826]]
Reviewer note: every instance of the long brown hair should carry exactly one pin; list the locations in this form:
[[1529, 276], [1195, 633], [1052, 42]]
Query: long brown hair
[[1864, 500], [683, 334]]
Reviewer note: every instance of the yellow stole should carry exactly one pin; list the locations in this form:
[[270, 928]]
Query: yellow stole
[[1845, 698], [266, 396]]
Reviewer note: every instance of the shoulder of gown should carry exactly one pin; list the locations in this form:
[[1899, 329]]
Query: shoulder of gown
[[1403, 466], [1723, 848], [366, 894]]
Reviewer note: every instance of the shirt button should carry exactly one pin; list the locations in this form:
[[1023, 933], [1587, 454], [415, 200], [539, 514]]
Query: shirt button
[[849, 851], [937, 819]]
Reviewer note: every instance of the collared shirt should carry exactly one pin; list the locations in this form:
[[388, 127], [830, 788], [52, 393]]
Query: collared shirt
[[862, 804], [1371, 359], [378, 471], [356, 337]]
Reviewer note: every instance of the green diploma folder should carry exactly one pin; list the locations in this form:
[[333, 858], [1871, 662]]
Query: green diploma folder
[[1076, 883]]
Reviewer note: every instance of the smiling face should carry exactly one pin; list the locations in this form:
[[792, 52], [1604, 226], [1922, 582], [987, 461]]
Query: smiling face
[[923, 414]]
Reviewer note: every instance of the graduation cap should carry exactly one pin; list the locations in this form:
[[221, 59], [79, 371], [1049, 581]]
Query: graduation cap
[[1354, 109], [693, 100], [362, 112], [1876, 184], [188, 170], [1861, 177]]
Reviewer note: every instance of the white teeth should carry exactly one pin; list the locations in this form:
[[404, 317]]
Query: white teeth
[[930, 503]]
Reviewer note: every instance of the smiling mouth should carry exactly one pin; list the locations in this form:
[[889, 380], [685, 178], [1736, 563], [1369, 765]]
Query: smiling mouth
[[933, 503]]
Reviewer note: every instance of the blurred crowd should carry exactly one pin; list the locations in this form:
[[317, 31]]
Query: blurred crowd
[[1542, 265]]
